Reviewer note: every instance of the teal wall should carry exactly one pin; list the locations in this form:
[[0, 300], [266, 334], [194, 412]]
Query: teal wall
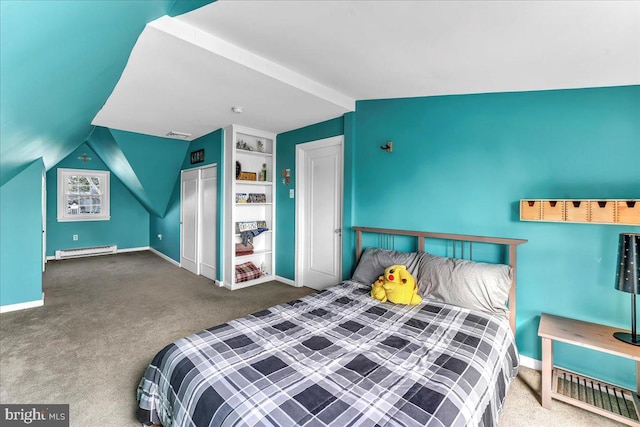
[[285, 206], [154, 162], [460, 164], [129, 223], [21, 236], [169, 224]]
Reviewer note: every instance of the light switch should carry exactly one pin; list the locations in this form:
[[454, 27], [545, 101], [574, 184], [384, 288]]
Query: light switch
[[291, 193]]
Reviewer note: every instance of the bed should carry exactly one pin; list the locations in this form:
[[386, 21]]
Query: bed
[[341, 358]]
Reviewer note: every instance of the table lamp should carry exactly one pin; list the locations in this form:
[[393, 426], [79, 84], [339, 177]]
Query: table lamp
[[628, 279]]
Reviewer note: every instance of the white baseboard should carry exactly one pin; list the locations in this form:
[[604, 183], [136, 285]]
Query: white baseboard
[[141, 248], [219, 283], [22, 305], [163, 256], [285, 280], [529, 362]]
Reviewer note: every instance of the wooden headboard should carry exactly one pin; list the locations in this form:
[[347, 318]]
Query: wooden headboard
[[462, 238]]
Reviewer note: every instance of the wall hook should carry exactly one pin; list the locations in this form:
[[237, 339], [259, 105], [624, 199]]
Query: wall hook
[[388, 147]]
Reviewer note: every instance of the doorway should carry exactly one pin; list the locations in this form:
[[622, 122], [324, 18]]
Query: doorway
[[198, 220], [319, 174]]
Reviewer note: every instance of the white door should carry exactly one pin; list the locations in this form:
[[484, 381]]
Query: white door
[[208, 228], [319, 213], [189, 220]]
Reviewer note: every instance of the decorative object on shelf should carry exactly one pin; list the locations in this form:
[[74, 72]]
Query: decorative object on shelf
[[263, 172], [257, 198], [247, 236], [242, 198], [246, 226], [238, 169], [388, 148], [286, 176], [250, 226], [241, 145], [197, 156], [628, 279], [247, 271], [244, 249], [260, 146], [247, 176]]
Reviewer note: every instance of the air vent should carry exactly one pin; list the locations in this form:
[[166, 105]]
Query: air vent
[[181, 135]]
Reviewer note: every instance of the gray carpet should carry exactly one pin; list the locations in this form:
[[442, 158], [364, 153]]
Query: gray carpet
[[105, 318]]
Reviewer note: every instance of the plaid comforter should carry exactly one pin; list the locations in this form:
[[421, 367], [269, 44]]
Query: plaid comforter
[[337, 358]]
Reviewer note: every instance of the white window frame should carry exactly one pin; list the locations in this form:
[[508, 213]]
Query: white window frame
[[105, 198]]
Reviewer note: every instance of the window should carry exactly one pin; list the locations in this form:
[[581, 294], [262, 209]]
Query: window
[[83, 195]]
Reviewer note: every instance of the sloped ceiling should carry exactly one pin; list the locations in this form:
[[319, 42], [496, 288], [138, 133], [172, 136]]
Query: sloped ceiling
[[59, 61], [294, 63]]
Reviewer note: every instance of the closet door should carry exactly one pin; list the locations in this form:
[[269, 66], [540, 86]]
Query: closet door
[[208, 223], [189, 220]]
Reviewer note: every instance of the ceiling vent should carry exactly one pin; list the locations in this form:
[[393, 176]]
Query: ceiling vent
[[180, 135]]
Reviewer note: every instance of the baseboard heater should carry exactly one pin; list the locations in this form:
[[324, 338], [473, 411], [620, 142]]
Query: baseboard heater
[[82, 252]]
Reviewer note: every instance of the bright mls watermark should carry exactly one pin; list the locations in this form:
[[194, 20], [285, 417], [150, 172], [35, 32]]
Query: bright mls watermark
[[34, 415]]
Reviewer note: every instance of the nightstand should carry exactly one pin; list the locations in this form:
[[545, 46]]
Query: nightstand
[[593, 395]]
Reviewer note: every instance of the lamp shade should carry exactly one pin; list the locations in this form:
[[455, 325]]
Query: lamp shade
[[628, 274]]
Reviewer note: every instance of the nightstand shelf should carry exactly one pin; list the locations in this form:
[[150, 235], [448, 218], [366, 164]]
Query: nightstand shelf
[[593, 395]]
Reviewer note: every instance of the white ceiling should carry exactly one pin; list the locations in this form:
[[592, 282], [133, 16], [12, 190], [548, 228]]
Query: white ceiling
[[294, 63]]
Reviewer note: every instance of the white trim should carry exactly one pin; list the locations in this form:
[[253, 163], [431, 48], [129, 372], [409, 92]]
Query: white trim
[[166, 258], [286, 281], [219, 283], [104, 195], [529, 362], [141, 248], [22, 305]]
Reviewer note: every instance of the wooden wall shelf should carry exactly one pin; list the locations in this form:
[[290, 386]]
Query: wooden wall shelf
[[595, 211]]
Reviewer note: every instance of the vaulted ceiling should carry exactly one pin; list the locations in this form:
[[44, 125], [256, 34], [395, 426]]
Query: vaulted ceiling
[[155, 66]]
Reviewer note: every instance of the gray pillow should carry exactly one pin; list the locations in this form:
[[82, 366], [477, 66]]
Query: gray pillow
[[469, 284], [374, 261]]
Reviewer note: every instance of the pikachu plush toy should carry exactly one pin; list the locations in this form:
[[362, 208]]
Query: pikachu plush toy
[[397, 286]]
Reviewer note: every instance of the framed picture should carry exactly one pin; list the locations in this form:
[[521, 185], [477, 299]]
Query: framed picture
[[197, 156]]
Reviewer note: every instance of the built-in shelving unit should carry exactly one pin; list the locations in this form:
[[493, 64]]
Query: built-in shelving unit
[[595, 211], [248, 201]]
